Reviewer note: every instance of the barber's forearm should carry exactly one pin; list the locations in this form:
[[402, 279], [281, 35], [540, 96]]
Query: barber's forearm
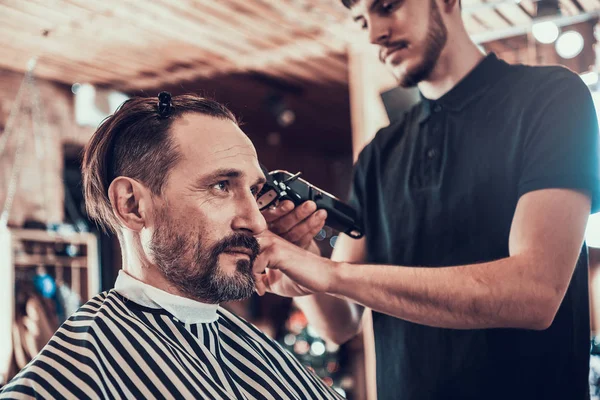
[[336, 319], [504, 293]]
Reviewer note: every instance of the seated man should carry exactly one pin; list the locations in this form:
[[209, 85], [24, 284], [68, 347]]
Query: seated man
[[176, 180]]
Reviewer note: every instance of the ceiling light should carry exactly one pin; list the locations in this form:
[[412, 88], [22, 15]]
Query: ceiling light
[[569, 44], [545, 32], [278, 107]]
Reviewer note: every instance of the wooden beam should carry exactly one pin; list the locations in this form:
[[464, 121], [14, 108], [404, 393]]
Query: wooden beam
[[130, 55], [232, 29], [490, 18], [586, 5], [567, 8], [528, 6], [515, 13], [525, 10], [524, 29], [149, 23], [472, 25], [169, 15], [578, 5]]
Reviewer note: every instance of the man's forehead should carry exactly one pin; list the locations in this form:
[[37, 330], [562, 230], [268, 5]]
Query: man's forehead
[[360, 7], [241, 156], [201, 135], [220, 148], [209, 144]]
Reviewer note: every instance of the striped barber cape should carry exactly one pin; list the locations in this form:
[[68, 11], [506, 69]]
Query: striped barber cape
[[113, 347]]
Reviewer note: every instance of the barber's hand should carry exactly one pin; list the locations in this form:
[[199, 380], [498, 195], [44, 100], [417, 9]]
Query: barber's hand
[[299, 225], [288, 270]]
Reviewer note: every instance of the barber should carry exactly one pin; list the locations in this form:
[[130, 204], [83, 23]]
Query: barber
[[474, 204]]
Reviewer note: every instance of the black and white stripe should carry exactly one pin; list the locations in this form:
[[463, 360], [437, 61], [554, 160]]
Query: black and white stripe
[[114, 348]]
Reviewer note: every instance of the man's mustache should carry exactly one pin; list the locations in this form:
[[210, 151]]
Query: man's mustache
[[238, 240], [384, 51]]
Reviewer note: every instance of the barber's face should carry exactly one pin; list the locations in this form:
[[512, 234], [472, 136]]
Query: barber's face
[[205, 222], [410, 34]]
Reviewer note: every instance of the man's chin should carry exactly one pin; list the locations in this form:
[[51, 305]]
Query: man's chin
[[228, 289], [241, 292], [402, 73], [410, 76], [416, 69], [236, 281], [230, 263]]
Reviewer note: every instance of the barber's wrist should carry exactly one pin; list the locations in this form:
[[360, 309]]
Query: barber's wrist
[[337, 271], [313, 247]]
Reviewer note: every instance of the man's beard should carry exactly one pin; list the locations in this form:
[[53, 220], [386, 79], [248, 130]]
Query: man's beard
[[193, 268], [437, 36]]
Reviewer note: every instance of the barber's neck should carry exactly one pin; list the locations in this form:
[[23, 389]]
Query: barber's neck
[[458, 58]]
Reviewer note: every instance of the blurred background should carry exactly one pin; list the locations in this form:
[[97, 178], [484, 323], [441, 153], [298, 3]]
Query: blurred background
[[308, 88]]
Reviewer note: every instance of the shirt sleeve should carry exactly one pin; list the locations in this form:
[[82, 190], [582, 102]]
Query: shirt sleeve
[[560, 149], [356, 195]]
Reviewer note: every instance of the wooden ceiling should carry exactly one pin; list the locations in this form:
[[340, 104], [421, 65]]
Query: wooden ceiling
[[241, 52], [136, 44], [139, 43]]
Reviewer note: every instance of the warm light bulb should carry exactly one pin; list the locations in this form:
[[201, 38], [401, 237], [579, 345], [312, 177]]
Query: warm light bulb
[[569, 44], [545, 32], [317, 349]]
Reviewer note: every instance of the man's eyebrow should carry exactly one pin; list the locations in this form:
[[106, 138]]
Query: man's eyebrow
[[356, 18], [260, 181], [373, 5], [221, 173], [229, 173]]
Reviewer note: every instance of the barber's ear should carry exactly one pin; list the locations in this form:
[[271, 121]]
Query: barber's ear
[[131, 202]]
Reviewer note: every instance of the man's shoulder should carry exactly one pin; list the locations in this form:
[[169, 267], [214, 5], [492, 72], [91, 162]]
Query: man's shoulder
[[239, 327], [537, 81], [237, 324], [542, 72], [98, 307], [98, 315], [392, 132], [400, 123], [75, 347]]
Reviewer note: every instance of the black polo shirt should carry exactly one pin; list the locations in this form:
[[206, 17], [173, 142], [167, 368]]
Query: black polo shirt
[[439, 187]]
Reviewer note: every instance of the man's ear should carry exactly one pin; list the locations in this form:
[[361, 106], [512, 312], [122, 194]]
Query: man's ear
[[131, 202]]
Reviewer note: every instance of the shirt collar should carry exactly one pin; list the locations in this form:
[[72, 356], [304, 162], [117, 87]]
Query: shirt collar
[[489, 70], [184, 309]]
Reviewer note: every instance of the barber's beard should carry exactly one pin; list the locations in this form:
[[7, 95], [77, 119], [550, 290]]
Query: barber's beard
[[193, 267], [437, 37]]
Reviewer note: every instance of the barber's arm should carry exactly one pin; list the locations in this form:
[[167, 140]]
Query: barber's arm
[[336, 319], [523, 290], [558, 176]]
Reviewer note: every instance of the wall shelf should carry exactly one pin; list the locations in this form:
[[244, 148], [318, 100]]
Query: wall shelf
[[71, 258]]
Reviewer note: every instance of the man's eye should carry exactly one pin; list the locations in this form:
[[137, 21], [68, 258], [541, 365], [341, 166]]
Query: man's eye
[[256, 190], [361, 22], [222, 186], [389, 7]]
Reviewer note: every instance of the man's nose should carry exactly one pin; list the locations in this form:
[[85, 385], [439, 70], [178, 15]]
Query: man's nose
[[378, 33], [249, 218]]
